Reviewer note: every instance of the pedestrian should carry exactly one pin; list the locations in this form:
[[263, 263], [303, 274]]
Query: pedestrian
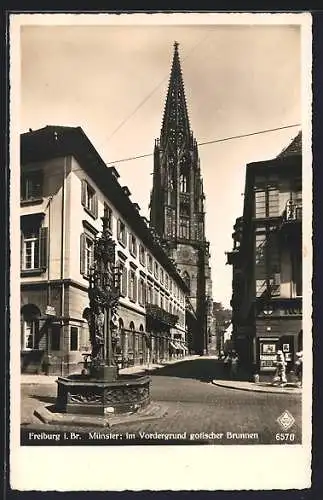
[[221, 355], [299, 368], [227, 365], [280, 374], [234, 365]]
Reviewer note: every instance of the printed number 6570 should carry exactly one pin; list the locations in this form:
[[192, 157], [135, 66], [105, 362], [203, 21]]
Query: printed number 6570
[[285, 436]]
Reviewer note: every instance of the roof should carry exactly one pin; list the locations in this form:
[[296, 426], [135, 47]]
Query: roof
[[58, 141], [294, 148]]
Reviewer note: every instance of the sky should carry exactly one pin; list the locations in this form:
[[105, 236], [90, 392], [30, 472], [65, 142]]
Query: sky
[[112, 81]]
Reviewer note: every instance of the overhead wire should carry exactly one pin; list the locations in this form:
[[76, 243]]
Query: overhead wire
[[213, 141]]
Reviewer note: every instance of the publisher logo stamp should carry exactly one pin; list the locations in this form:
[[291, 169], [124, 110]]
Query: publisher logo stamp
[[286, 420]]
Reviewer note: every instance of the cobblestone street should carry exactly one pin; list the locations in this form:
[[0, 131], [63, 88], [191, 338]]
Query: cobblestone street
[[193, 405]]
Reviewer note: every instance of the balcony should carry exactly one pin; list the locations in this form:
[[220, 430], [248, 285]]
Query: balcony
[[158, 314], [292, 212]]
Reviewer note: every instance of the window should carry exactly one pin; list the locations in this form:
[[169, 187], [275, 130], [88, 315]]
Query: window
[[31, 187], [31, 250], [133, 245], [183, 183], [267, 264], [55, 337], [30, 333], [170, 285], [123, 279], [132, 285], [156, 301], [149, 294], [166, 281], [156, 270], [108, 216], [162, 276], [89, 199], [296, 255], [87, 254], [30, 327], [184, 228], [141, 292], [142, 255], [122, 233], [33, 245], [266, 200], [162, 302], [186, 278], [74, 338], [149, 263]]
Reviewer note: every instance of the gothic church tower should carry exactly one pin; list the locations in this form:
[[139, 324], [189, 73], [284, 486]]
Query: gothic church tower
[[177, 203]]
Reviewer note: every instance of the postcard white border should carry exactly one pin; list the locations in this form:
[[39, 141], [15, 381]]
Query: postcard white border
[[197, 467]]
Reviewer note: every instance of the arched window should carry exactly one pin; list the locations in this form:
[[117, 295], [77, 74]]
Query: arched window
[[141, 328], [186, 278], [30, 327], [183, 183], [131, 325], [120, 323]]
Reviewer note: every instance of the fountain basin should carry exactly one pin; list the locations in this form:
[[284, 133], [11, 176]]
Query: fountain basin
[[81, 394]]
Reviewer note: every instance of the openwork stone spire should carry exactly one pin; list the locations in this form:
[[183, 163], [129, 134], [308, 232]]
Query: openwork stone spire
[[175, 120]]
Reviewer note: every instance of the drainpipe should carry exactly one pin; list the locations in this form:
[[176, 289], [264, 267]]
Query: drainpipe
[[63, 252], [48, 274]]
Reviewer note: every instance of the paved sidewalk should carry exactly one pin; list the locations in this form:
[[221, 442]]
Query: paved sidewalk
[[289, 388], [51, 379]]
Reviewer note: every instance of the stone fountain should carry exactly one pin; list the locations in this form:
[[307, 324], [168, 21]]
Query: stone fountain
[[100, 389]]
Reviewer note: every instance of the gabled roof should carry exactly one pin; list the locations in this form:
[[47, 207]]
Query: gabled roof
[[294, 148]]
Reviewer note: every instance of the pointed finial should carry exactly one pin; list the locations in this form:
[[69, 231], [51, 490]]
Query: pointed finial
[[176, 44]]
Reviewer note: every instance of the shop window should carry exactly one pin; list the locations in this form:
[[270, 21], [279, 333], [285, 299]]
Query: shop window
[[74, 338], [31, 187], [89, 199]]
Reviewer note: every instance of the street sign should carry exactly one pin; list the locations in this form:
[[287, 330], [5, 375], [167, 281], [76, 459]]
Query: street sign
[[50, 311]]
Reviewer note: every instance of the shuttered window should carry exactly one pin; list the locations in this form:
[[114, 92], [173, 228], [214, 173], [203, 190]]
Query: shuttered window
[[89, 199], [86, 254], [34, 247]]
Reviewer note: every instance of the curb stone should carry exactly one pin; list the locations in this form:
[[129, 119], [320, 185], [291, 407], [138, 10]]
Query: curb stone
[[269, 389], [152, 412]]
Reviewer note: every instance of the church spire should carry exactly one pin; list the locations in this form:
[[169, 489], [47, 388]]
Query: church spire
[[175, 120]]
